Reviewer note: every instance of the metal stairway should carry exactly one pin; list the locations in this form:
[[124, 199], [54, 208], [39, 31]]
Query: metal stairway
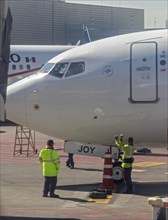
[[24, 141]]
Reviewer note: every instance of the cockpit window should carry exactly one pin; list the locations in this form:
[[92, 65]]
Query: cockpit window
[[75, 68], [59, 69], [64, 69], [46, 68]]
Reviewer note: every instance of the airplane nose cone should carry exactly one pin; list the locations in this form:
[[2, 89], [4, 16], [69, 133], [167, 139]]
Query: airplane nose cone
[[15, 103]]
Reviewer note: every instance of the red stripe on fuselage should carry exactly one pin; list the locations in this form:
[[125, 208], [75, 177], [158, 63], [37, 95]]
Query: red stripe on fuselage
[[23, 72]]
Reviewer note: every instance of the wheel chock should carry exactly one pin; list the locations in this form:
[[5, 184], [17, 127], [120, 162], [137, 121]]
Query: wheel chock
[[98, 195]]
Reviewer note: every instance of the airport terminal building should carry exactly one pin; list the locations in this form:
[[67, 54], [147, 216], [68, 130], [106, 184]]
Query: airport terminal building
[[51, 22]]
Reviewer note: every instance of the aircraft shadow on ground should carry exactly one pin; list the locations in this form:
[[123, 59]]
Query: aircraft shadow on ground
[[88, 169], [151, 189], [73, 199], [142, 189], [33, 218], [79, 187]]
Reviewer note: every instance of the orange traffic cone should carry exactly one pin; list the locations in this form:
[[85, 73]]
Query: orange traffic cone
[[108, 182]]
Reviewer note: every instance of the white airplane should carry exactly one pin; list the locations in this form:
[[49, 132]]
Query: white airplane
[[90, 93], [26, 60]]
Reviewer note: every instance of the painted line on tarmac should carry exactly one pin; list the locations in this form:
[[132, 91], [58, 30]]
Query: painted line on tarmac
[[138, 171], [147, 164], [100, 201]]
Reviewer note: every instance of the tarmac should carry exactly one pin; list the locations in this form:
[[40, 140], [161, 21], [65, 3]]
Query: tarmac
[[21, 185]]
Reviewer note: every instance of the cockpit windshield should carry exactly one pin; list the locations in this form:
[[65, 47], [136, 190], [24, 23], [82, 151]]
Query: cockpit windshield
[[67, 69], [59, 69], [75, 68], [46, 68]]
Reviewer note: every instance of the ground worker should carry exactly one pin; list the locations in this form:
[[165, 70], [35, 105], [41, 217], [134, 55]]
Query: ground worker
[[119, 142], [116, 140], [127, 160], [49, 158], [70, 161]]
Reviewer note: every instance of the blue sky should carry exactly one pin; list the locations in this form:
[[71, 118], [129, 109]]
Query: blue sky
[[156, 11]]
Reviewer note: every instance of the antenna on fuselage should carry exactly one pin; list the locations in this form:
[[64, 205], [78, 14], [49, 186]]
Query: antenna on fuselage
[[87, 35]]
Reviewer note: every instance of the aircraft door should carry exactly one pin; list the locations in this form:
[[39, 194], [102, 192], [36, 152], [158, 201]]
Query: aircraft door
[[143, 72]]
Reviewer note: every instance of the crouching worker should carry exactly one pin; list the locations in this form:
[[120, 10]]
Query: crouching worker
[[49, 159], [127, 161]]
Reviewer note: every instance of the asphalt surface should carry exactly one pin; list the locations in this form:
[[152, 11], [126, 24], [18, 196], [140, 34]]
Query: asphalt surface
[[21, 185]]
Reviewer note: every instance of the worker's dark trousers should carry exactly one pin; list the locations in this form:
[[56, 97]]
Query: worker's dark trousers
[[127, 178], [70, 161], [49, 185]]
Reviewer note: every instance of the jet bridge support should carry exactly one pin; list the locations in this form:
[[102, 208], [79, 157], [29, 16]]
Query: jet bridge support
[[24, 141]]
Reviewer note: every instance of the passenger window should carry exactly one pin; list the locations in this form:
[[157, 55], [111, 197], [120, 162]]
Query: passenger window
[[20, 66], [28, 67], [14, 67], [75, 68], [59, 70]]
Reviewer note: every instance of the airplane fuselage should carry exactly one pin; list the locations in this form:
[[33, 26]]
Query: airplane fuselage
[[122, 89]]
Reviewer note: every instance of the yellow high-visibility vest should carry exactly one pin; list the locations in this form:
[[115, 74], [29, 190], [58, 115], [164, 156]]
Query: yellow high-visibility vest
[[49, 158], [119, 144], [127, 156]]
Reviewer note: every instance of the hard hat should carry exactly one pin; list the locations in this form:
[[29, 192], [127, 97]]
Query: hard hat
[[121, 135]]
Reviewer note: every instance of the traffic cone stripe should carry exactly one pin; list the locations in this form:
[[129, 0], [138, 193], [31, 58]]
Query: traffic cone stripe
[[108, 155], [107, 176]]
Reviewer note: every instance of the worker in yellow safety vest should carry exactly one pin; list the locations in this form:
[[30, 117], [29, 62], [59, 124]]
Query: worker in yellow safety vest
[[49, 159], [127, 160], [119, 142]]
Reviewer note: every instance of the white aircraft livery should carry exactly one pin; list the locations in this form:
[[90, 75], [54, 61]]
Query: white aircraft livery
[[92, 92], [26, 60]]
